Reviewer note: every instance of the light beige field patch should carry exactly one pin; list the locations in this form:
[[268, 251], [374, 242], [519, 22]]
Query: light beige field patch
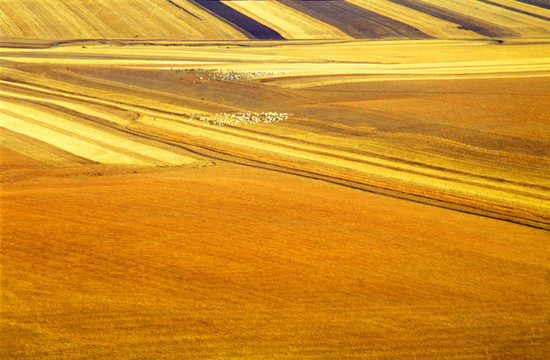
[[428, 24], [83, 140], [61, 19], [291, 24]]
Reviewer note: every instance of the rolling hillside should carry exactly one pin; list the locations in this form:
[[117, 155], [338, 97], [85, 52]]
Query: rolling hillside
[[271, 19], [194, 179]]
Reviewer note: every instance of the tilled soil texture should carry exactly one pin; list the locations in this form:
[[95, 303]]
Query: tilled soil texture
[[464, 20], [542, 3], [538, 16], [295, 199], [231, 261], [250, 26], [355, 21]]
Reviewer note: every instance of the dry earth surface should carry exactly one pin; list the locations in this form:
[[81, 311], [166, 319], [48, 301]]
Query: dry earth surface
[[356, 191]]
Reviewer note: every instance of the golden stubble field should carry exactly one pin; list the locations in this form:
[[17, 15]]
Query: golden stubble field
[[457, 124], [399, 209]]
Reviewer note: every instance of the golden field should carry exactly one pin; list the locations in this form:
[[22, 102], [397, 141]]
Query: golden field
[[352, 192]]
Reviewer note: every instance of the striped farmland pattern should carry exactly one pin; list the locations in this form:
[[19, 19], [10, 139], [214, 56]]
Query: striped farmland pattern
[[273, 19]]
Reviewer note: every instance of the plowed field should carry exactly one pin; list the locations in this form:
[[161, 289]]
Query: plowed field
[[104, 19], [293, 199], [355, 21], [291, 24], [59, 20]]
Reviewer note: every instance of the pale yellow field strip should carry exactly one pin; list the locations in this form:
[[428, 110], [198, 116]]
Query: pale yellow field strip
[[72, 105], [67, 143], [137, 54], [391, 52], [105, 62], [210, 26], [38, 150], [526, 25], [463, 68], [459, 67], [428, 24], [161, 156], [300, 83], [291, 24], [538, 67], [60, 19], [9, 21], [82, 93], [312, 74], [414, 51], [402, 176]]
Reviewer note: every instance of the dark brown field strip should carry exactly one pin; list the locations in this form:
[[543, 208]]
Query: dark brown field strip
[[540, 3], [242, 22], [466, 22], [516, 10], [355, 21]]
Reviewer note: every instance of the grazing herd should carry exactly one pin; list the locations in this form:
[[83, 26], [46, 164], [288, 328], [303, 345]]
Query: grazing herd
[[233, 119], [240, 118], [227, 75]]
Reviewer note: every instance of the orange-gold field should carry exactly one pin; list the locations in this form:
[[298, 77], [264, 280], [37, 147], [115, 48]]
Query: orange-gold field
[[264, 180]]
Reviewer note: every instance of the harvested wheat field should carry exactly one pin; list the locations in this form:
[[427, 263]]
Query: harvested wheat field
[[275, 179]]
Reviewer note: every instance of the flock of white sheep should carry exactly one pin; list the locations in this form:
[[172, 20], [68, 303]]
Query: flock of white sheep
[[233, 119], [220, 74]]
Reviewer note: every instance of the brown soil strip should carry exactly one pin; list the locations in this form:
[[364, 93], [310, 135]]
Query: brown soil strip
[[355, 21], [466, 22], [542, 17], [540, 3], [239, 21]]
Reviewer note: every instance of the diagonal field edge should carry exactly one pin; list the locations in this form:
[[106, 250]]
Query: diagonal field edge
[[354, 20], [240, 21]]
